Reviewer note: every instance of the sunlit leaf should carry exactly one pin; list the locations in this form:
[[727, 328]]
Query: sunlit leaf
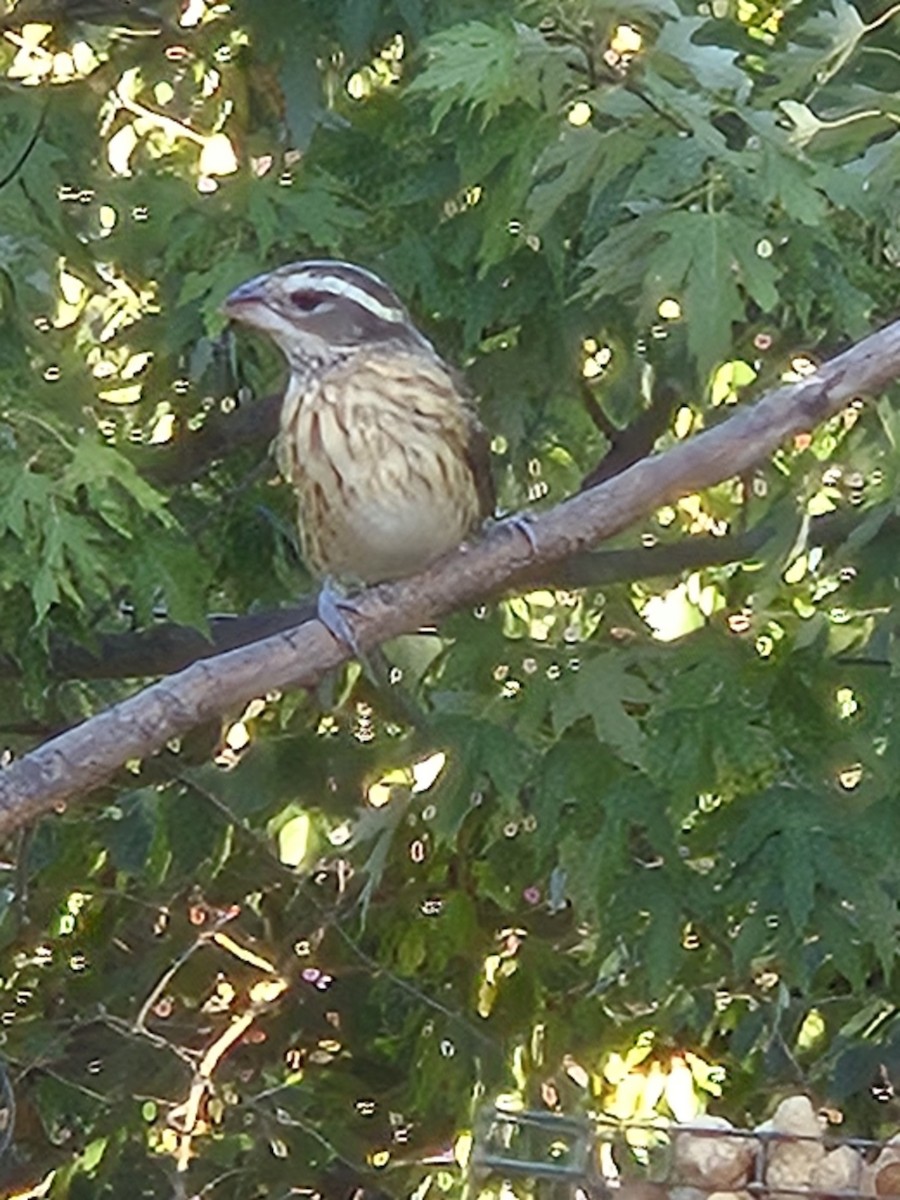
[[120, 148], [293, 840]]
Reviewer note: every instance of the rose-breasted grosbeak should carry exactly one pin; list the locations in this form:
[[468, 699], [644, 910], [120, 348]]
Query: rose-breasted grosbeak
[[388, 460]]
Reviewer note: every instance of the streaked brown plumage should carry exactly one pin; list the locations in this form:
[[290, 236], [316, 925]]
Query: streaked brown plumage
[[387, 458]]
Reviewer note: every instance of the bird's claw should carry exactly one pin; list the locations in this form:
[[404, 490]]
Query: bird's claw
[[331, 605], [521, 522]]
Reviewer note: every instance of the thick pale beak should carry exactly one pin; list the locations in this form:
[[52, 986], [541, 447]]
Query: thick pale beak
[[251, 292]]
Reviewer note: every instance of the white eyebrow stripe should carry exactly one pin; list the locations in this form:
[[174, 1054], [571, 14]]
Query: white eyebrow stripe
[[335, 285]]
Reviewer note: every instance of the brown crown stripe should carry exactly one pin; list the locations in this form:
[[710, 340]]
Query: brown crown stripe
[[353, 284]]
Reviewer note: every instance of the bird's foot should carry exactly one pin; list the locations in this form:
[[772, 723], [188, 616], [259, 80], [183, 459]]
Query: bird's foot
[[522, 523], [331, 605]]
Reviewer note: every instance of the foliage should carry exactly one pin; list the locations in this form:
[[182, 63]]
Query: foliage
[[303, 949]]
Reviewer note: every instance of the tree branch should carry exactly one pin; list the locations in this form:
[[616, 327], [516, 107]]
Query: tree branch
[[167, 647], [189, 455], [635, 441], [84, 757]]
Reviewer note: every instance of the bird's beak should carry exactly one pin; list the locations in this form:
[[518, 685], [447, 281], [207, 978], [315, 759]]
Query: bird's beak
[[251, 292]]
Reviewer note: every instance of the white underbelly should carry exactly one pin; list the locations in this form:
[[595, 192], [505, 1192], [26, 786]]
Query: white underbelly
[[393, 536], [379, 498]]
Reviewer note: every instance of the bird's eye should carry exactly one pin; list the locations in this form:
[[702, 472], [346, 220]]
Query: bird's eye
[[306, 300]]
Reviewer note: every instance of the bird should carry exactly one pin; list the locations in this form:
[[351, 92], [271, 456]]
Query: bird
[[378, 435]]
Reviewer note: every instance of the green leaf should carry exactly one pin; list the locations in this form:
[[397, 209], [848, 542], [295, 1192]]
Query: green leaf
[[129, 831], [712, 302], [301, 85], [318, 207], [95, 466], [799, 876], [26, 501], [485, 67], [712, 65], [662, 936], [604, 689], [576, 159], [791, 184], [44, 590], [756, 268], [175, 574], [838, 32], [470, 65]]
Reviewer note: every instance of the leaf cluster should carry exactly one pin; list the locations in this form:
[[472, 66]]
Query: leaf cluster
[[565, 819]]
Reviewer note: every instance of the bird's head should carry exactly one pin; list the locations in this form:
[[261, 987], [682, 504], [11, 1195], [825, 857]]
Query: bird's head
[[323, 310]]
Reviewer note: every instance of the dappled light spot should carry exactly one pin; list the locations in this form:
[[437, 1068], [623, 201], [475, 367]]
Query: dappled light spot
[[669, 309], [580, 113], [163, 1008], [740, 622], [626, 41], [163, 427], [364, 725], [851, 777], [294, 1058], [764, 645], [690, 939], [379, 794], [294, 840], [729, 379], [341, 834], [426, 771], [683, 422], [122, 395], [801, 366], [671, 614]]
